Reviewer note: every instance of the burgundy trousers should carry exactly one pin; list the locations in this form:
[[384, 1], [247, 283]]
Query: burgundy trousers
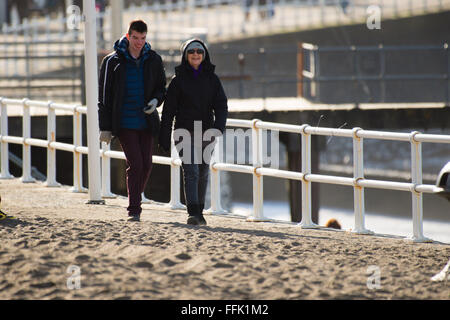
[[138, 148]]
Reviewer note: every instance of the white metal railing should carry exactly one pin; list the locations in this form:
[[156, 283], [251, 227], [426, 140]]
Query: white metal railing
[[357, 182]]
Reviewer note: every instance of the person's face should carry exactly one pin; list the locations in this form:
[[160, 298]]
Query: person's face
[[195, 57], [137, 40]]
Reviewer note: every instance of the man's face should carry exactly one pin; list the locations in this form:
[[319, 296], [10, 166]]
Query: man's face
[[137, 40]]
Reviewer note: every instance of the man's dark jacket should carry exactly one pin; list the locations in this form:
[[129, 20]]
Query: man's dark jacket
[[192, 98], [112, 88]]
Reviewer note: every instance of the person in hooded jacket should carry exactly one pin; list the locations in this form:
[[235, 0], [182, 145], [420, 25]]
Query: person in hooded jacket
[[197, 101], [132, 83]]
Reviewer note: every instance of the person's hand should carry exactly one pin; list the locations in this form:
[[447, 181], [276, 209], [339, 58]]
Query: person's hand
[[151, 106], [105, 136]]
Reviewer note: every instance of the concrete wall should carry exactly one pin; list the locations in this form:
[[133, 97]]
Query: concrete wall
[[279, 62]]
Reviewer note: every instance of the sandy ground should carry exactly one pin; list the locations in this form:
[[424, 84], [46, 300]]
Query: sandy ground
[[59, 247]]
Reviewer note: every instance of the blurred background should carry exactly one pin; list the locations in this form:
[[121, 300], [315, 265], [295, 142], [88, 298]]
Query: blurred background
[[376, 64]]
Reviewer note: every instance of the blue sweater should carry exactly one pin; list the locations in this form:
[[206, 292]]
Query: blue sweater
[[132, 115]]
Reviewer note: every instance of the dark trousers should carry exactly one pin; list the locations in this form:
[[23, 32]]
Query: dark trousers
[[138, 148], [195, 182], [195, 173]]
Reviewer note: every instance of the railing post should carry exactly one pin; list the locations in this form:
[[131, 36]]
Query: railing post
[[26, 149], [416, 197], [174, 179], [51, 152], [216, 206], [358, 192], [77, 156], [306, 222], [106, 172], [91, 75], [4, 174], [300, 67], [258, 195], [447, 51]]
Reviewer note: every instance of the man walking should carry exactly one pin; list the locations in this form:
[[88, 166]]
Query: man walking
[[131, 85]]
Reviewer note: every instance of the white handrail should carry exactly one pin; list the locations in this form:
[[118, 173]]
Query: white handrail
[[257, 170]]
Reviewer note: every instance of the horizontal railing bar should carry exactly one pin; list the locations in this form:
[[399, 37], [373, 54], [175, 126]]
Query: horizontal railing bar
[[428, 188], [329, 179], [37, 104], [329, 131], [280, 173], [239, 123], [10, 139], [83, 150], [383, 135], [424, 137], [62, 146], [36, 142], [155, 159], [45, 104], [278, 126], [81, 109], [62, 107], [162, 160], [233, 167], [391, 185], [114, 154], [7, 101]]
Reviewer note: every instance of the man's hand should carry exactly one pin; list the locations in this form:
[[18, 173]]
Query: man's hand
[[105, 136], [151, 106]]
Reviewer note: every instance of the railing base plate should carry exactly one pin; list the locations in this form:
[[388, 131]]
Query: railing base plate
[[176, 206], [102, 202], [418, 240], [308, 225], [79, 190], [363, 231]]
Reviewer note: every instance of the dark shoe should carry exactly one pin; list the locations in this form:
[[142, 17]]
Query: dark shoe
[[201, 219], [192, 220], [136, 217]]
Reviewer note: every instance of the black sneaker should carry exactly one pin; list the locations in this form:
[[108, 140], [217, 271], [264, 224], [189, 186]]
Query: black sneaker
[[193, 220], [201, 220]]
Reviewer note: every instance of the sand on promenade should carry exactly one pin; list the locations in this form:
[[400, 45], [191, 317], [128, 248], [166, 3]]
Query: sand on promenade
[[59, 247]]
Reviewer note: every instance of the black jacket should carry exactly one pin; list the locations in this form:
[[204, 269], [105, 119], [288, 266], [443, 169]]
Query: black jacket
[[112, 88], [190, 99]]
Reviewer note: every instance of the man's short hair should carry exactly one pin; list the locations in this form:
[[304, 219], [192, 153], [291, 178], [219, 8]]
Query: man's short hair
[[138, 26]]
